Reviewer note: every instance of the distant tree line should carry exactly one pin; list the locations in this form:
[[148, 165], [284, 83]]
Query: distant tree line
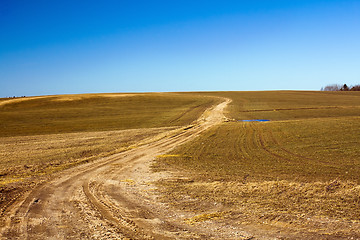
[[16, 97], [339, 87]]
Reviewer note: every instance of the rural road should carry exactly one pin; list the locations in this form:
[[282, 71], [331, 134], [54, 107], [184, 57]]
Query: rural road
[[112, 198]]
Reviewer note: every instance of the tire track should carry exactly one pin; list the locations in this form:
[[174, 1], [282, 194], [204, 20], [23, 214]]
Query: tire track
[[126, 226], [258, 143]]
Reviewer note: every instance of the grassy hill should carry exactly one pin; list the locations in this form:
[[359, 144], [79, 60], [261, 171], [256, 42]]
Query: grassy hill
[[97, 112]]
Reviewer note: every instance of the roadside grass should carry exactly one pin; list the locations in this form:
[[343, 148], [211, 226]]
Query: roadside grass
[[98, 112], [298, 172]]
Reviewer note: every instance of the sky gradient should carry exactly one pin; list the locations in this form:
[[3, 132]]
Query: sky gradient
[[60, 47]]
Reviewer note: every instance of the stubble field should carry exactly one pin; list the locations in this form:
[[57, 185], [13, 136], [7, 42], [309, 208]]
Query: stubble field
[[297, 173]]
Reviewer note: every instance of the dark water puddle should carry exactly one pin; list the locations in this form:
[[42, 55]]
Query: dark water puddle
[[255, 120]]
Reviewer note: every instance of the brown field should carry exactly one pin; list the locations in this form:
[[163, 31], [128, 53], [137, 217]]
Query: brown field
[[297, 173], [294, 177]]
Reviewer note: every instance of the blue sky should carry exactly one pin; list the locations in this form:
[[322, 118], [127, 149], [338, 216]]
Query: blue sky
[[58, 47]]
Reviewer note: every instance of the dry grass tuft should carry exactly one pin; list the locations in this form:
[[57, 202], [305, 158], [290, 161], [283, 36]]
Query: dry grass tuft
[[168, 155], [205, 217], [128, 181]]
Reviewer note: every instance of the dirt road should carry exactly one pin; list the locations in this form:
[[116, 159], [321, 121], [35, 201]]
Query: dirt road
[[112, 198]]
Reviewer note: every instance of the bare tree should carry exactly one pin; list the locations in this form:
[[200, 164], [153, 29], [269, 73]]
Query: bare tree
[[332, 87], [355, 88], [344, 88], [338, 87]]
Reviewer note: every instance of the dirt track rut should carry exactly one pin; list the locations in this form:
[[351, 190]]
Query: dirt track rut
[[112, 198]]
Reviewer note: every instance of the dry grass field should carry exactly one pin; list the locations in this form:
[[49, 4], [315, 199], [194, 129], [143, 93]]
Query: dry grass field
[[299, 172], [40, 136]]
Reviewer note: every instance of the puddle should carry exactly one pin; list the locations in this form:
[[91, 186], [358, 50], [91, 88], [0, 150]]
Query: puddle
[[255, 120]]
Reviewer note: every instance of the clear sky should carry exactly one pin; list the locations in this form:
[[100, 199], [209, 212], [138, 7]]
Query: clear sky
[[74, 46]]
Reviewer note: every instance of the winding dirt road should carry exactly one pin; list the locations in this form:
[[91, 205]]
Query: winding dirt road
[[112, 198]]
